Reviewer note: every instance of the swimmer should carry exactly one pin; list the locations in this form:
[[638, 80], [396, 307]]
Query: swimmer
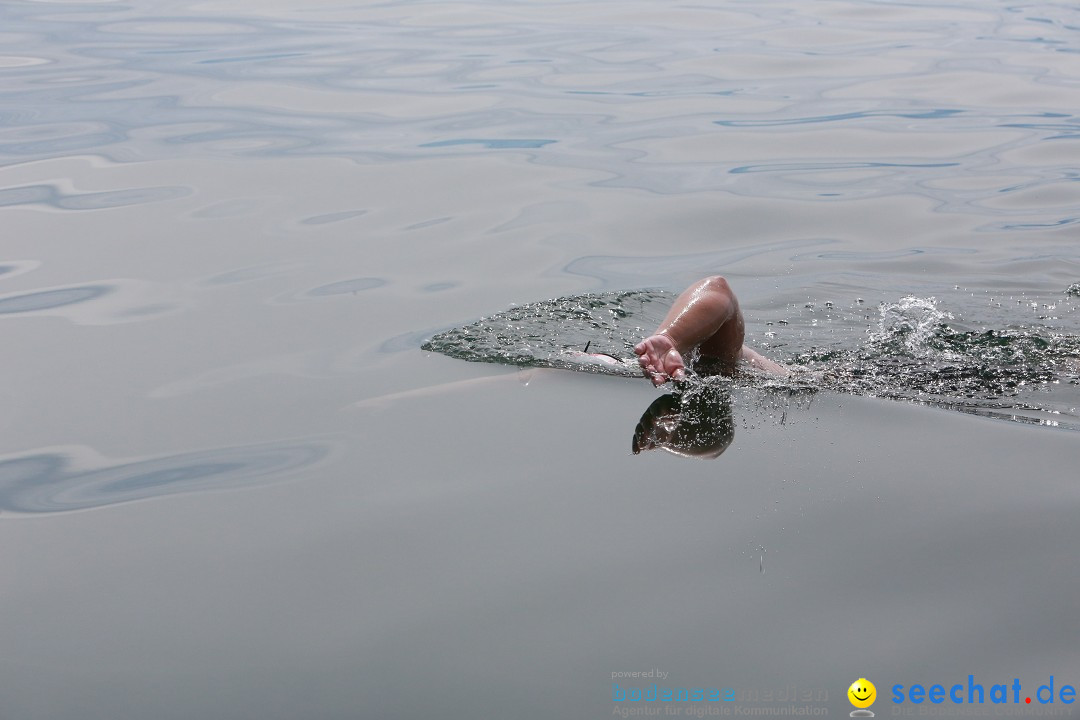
[[705, 316], [698, 424]]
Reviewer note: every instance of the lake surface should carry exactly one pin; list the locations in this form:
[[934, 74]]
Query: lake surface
[[233, 485]]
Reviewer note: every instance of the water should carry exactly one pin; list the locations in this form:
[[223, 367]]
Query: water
[[233, 485]]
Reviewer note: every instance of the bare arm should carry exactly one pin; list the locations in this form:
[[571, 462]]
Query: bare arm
[[756, 360], [700, 312], [705, 315]]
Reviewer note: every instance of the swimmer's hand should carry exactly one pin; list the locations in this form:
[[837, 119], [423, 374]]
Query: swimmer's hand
[[660, 360]]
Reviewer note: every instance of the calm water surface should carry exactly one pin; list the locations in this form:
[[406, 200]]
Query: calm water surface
[[232, 484]]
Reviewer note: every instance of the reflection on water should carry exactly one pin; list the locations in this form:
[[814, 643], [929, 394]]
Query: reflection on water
[[46, 482]]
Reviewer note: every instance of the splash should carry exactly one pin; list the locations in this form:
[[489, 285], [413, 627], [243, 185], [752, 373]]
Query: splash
[[554, 333], [912, 350], [916, 352]]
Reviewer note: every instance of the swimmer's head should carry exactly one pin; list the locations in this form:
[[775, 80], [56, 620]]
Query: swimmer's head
[[697, 423]]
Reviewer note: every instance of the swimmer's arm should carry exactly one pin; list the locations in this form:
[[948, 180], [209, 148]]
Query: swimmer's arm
[[523, 377], [698, 314], [760, 362]]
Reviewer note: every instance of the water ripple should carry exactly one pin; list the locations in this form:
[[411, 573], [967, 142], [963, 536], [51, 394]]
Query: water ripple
[[47, 482], [346, 287], [622, 271], [491, 144], [395, 84], [817, 167], [934, 114], [332, 217], [52, 196], [50, 299]]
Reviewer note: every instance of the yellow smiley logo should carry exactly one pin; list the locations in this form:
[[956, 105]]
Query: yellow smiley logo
[[862, 693]]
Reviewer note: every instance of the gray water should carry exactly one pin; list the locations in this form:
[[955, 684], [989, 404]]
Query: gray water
[[233, 485]]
